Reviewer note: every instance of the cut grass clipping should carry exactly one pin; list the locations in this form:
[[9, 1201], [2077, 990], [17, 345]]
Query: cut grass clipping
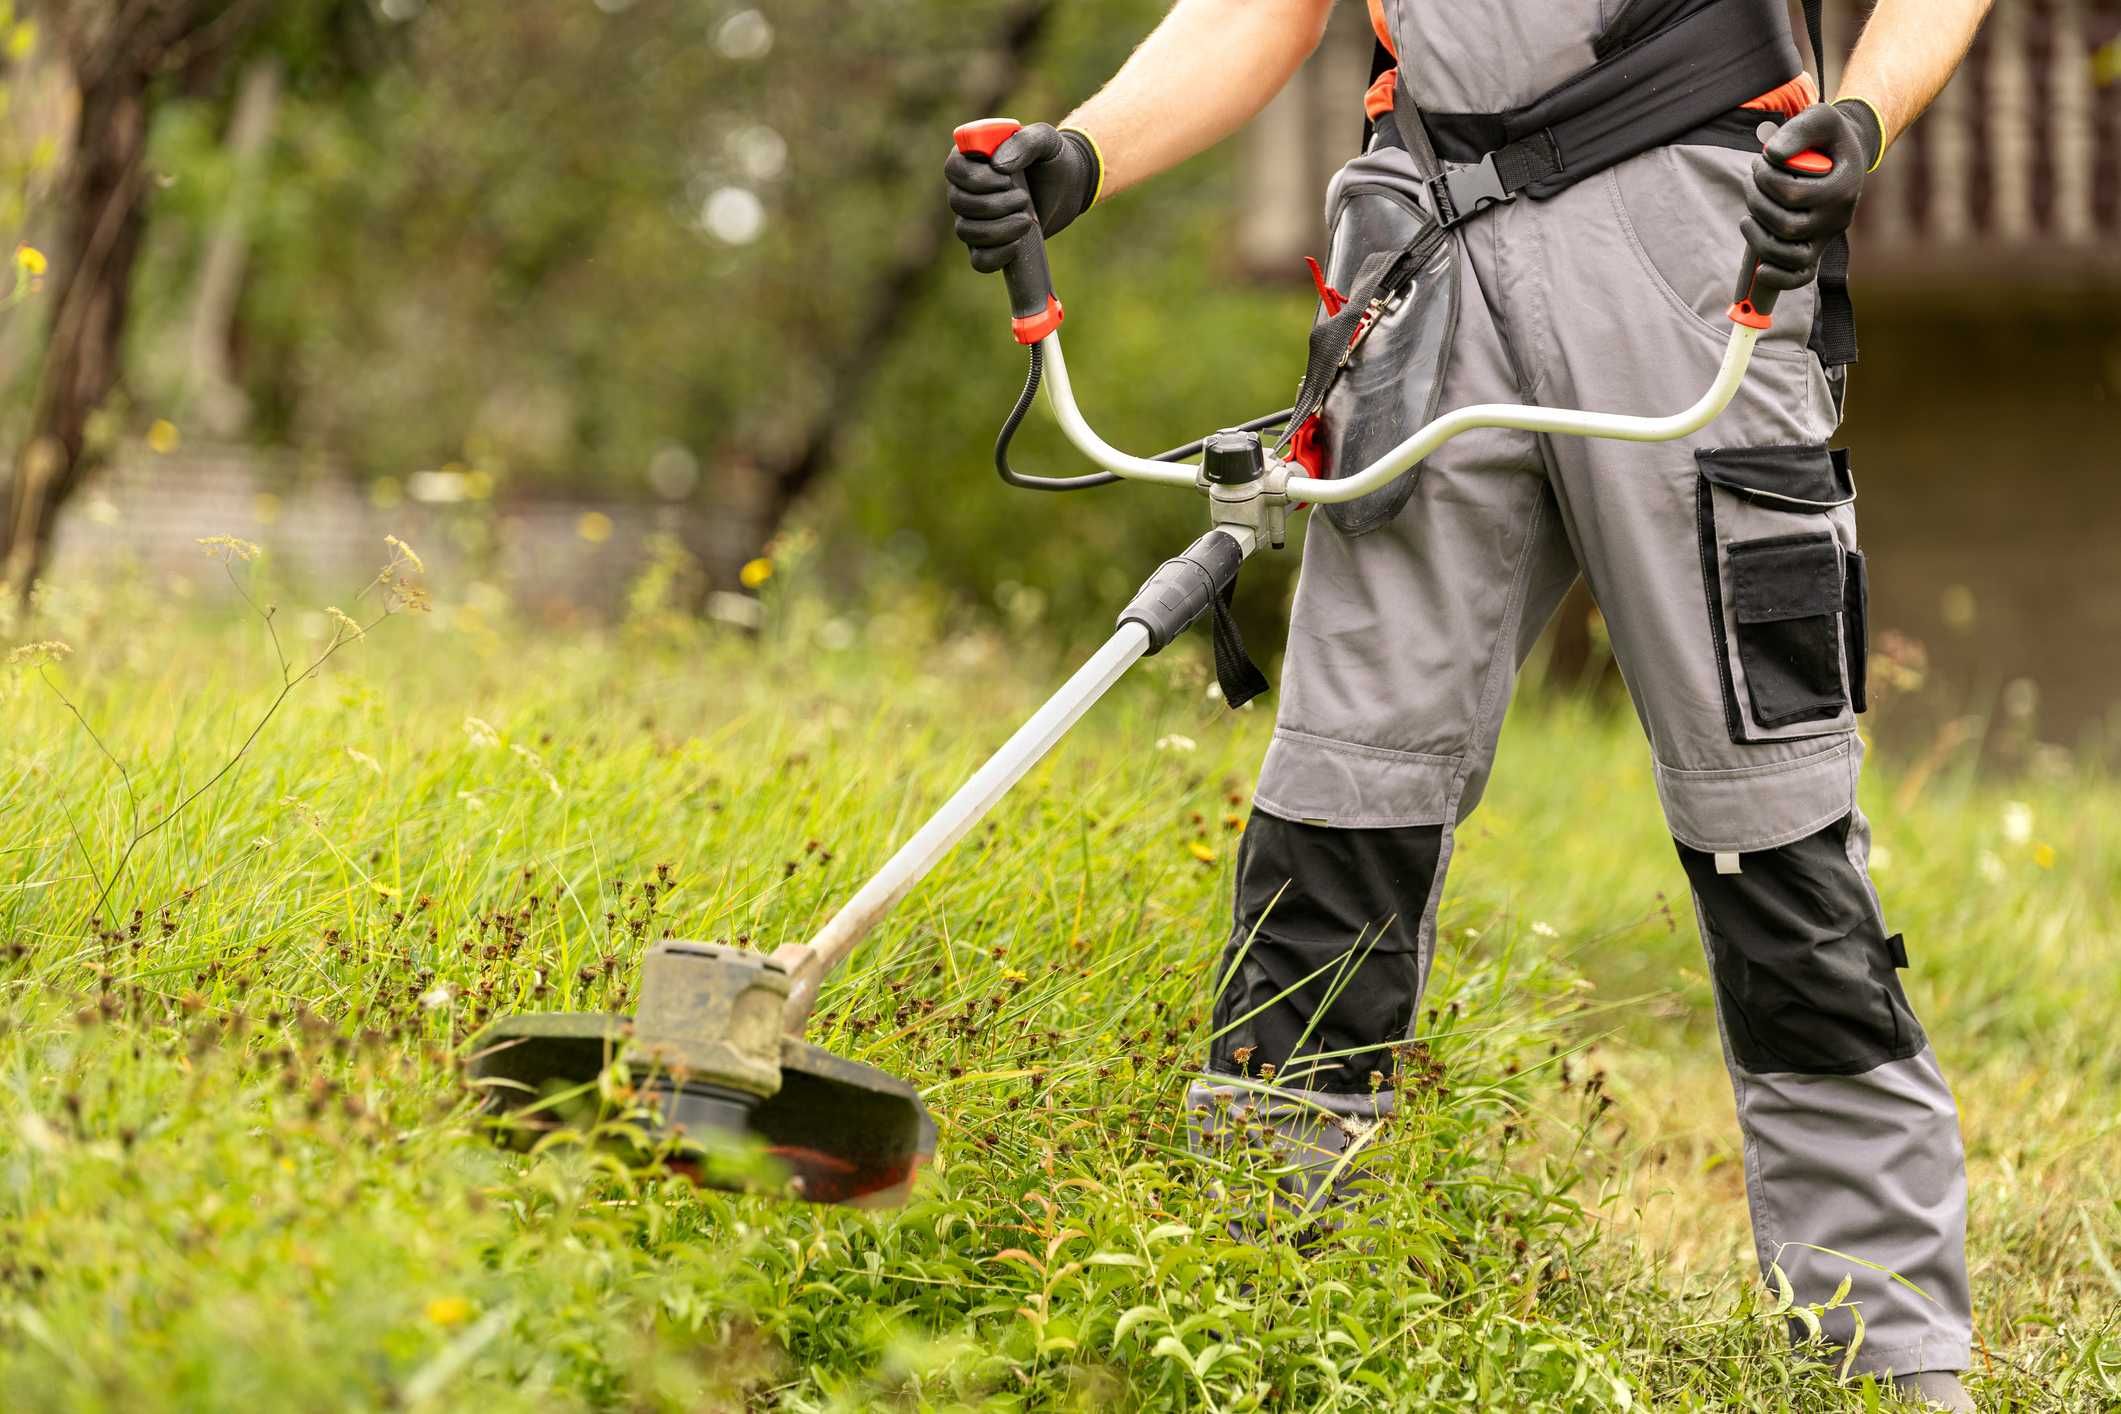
[[239, 1166]]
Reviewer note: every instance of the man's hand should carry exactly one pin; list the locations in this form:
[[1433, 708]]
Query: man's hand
[[1061, 169], [1791, 215]]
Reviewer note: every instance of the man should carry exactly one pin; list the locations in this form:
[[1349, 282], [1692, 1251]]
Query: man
[[1726, 567]]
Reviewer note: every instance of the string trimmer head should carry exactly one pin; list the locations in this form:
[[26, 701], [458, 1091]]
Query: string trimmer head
[[734, 1101]]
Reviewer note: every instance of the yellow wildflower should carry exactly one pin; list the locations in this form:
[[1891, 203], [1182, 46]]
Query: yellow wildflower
[[755, 573], [30, 260], [594, 526], [1201, 851], [449, 1310], [1011, 974], [163, 437], [2044, 855], [347, 628]]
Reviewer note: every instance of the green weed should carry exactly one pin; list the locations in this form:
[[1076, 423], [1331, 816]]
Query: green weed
[[239, 1165]]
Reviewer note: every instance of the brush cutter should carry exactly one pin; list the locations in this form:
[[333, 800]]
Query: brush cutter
[[716, 1048]]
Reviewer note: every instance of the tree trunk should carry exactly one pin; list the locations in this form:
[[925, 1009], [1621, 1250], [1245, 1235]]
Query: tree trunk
[[220, 404], [101, 219], [771, 485]]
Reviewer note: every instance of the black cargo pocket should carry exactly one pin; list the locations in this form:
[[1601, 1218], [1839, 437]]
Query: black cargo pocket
[[1772, 523], [1806, 977], [1785, 597], [1313, 1015], [1856, 628], [1323, 964]]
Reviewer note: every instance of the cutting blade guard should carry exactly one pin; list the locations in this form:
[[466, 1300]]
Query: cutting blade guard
[[807, 1124]]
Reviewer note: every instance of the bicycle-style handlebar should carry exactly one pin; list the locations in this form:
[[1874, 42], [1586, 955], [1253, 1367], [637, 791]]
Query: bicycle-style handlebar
[[1038, 315]]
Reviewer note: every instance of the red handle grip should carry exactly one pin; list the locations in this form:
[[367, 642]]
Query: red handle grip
[[1754, 307], [985, 135], [1035, 309]]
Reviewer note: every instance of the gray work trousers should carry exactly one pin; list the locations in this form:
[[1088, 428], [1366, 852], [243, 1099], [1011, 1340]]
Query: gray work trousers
[[1727, 570]]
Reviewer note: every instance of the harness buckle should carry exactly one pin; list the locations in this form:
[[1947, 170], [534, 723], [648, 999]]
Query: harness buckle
[[1462, 190]]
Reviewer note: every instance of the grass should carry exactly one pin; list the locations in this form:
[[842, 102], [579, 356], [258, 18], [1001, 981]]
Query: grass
[[239, 1168]]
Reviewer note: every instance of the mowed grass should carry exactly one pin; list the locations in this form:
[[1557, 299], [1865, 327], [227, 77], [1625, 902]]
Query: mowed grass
[[240, 1167]]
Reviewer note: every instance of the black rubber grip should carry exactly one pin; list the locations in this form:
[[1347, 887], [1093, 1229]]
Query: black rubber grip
[[1759, 298], [1182, 589], [1029, 278]]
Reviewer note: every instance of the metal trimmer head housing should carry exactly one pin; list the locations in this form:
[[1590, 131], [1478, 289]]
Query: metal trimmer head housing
[[721, 1077]]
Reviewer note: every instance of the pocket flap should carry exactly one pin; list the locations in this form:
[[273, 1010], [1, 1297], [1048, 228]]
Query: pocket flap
[[1806, 476], [1788, 577]]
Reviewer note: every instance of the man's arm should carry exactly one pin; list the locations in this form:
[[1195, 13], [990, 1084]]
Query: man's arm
[[1200, 76], [1909, 50]]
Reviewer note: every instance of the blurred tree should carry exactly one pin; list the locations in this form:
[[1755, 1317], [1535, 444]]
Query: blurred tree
[[696, 250], [657, 244], [122, 59]]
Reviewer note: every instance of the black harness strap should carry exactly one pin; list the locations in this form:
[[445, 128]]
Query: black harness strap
[[1669, 71], [1650, 91], [1833, 337], [1381, 274]]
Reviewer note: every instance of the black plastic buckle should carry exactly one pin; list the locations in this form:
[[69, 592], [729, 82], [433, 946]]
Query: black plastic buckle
[[1461, 191]]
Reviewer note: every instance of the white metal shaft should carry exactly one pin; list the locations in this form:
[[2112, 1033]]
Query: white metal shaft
[[1060, 396], [1570, 422], [961, 812]]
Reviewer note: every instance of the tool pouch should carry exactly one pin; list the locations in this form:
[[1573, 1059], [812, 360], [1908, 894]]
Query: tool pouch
[[1388, 306]]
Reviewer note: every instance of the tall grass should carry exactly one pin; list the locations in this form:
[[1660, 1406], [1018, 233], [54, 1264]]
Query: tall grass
[[238, 1165]]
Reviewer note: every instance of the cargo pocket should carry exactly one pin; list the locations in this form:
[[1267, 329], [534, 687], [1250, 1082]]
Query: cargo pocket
[[1777, 535], [1807, 979], [1323, 967], [1785, 597], [1313, 1014]]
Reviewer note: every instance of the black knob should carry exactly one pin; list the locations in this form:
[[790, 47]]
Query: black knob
[[1233, 458]]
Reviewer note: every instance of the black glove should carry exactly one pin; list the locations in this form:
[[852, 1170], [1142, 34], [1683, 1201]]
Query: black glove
[[993, 213], [1790, 216]]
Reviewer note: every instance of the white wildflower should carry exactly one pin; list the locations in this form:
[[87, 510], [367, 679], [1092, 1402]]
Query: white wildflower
[[1175, 742], [2017, 822]]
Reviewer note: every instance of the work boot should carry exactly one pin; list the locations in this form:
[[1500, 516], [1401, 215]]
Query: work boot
[[1939, 1389]]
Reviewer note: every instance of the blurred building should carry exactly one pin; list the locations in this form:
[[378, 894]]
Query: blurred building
[[1985, 416]]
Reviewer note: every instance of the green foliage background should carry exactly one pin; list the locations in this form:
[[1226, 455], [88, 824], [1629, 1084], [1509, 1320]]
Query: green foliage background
[[486, 251]]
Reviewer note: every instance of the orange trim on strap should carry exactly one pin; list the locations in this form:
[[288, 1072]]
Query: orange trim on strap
[[1378, 101], [1382, 26], [1790, 99]]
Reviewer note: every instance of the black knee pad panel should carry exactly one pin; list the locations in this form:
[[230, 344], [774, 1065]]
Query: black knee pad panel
[[1325, 953], [1806, 977]]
